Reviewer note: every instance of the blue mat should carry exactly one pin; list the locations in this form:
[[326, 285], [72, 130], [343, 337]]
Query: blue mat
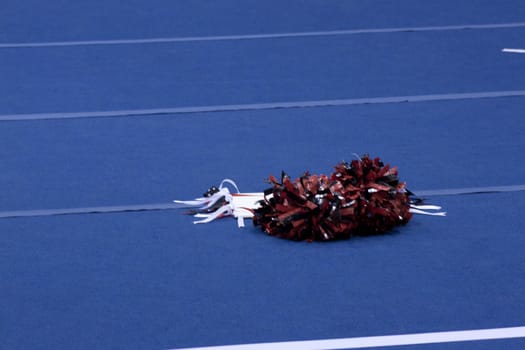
[[152, 279]]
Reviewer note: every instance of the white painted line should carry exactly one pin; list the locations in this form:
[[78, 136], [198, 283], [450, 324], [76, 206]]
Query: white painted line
[[260, 36], [514, 50], [262, 106], [379, 341]]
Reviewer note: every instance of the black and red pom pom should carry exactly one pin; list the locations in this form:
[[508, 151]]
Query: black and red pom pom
[[363, 197]]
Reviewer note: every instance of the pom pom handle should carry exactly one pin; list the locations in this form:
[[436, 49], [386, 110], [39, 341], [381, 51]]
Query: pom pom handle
[[221, 203]]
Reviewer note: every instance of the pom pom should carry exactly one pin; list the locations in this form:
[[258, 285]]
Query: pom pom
[[364, 197]]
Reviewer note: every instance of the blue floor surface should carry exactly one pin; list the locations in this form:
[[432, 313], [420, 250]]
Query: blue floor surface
[[93, 78], [153, 280], [78, 163], [35, 21]]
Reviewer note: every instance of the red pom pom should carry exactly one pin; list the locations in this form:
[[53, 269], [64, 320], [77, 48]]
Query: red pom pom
[[364, 197]]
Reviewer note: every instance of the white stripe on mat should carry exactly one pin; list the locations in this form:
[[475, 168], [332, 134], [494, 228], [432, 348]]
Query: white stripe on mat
[[379, 341], [258, 36], [263, 106], [514, 50]]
